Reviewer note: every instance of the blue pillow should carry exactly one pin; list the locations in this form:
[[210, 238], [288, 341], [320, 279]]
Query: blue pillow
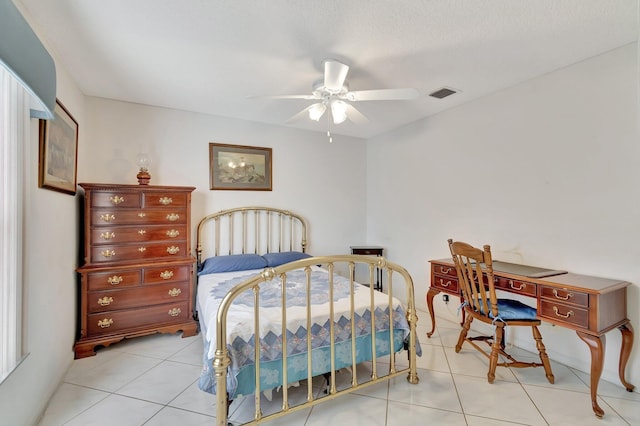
[[276, 259], [233, 262]]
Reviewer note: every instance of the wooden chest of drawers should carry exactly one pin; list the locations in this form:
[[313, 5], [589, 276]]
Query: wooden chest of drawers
[[137, 276]]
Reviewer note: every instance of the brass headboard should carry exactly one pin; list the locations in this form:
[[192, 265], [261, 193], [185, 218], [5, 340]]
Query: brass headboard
[[250, 230]]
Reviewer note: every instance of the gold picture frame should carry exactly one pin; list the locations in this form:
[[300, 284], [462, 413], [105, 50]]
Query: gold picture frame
[[58, 158], [240, 167]]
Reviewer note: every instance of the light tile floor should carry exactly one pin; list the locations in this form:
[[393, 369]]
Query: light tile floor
[[152, 381]]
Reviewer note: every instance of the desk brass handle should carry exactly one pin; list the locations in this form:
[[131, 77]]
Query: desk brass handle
[[443, 284], [567, 297], [567, 315], [522, 285], [174, 312], [445, 271]]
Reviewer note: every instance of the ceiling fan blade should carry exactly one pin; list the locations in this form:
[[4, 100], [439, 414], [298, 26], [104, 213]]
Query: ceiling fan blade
[[382, 95], [307, 97], [334, 75], [356, 116]]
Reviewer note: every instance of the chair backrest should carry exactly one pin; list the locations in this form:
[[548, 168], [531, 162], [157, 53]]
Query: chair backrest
[[475, 275]]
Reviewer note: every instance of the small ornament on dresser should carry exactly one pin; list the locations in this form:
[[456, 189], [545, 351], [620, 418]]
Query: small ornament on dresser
[[143, 173]]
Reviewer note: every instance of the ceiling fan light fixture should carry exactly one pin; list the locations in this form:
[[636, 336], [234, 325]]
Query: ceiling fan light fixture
[[339, 111], [317, 110]]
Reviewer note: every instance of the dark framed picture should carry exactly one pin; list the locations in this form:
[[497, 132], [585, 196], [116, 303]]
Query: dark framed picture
[[239, 167], [59, 151]]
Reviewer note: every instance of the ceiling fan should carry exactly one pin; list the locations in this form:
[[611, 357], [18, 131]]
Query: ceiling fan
[[332, 94]]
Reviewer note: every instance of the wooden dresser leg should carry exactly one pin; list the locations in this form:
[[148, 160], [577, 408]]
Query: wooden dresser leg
[[625, 351], [596, 346]]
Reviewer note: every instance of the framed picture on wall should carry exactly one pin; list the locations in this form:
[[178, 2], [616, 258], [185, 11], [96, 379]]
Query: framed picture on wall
[[239, 167], [58, 151]]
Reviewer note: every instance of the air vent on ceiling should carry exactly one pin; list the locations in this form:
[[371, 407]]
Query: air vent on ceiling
[[442, 93]]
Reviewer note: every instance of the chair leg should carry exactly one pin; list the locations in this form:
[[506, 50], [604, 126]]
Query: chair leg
[[495, 351], [543, 354], [463, 332]]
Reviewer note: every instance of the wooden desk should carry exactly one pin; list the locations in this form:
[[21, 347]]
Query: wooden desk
[[590, 306]]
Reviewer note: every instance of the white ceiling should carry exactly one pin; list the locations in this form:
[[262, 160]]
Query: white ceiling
[[209, 56]]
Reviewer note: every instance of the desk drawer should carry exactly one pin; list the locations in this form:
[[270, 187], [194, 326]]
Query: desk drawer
[[515, 286], [445, 283], [564, 296], [449, 271], [564, 314]]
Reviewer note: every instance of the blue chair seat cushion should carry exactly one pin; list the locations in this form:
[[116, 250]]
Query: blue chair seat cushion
[[514, 310]]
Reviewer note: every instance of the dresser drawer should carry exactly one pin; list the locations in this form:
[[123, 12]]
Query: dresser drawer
[[167, 274], [515, 286], [158, 199], [142, 233], [564, 296], [115, 199], [112, 217], [117, 321], [563, 313], [137, 252], [113, 279], [113, 300]]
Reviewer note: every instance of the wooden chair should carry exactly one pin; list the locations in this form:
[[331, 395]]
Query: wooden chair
[[475, 275]]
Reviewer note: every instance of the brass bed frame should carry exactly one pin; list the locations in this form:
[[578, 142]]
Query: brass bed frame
[[265, 229]]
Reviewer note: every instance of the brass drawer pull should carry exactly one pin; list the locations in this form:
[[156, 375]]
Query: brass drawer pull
[[555, 293], [115, 200], [522, 286], [142, 232], [142, 214], [175, 312], [142, 249], [166, 275], [173, 250], [444, 271], [174, 292], [107, 235], [165, 201], [172, 217], [567, 315], [105, 323], [108, 253], [105, 301], [443, 284], [114, 280], [107, 217], [172, 233]]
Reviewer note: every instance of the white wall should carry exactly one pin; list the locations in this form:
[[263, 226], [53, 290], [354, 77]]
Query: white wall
[[554, 164], [324, 182]]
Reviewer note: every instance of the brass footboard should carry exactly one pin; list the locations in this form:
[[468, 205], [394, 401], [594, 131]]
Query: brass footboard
[[333, 264]]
